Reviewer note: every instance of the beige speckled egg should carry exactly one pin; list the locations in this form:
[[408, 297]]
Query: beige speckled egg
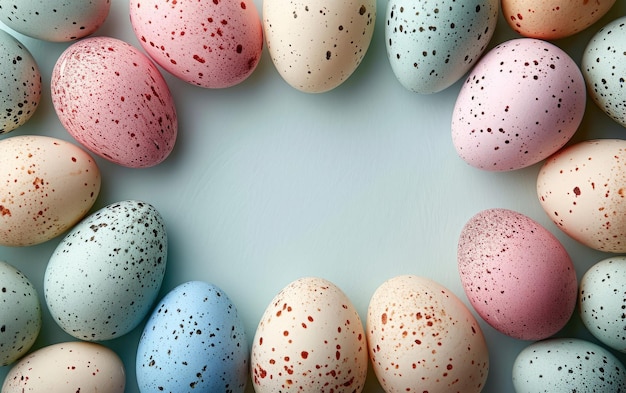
[[421, 337], [310, 339], [46, 186], [582, 189]]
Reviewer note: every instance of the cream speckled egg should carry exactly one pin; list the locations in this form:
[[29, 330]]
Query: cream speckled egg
[[46, 186], [421, 337], [316, 45]]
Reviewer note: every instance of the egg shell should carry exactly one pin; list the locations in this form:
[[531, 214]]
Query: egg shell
[[421, 337], [521, 103], [431, 45], [553, 19], [582, 188], [111, 98], [310, 338], [212, 44], [46, 186], [317, 45], [516, 274], [21, 83], [604, 69], [194, 341], [567, 365], [104, 276], [68, 367], [20, 314], [55, 20]]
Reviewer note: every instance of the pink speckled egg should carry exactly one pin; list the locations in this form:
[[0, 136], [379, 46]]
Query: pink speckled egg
[[522, 102], [421, 337], [111, 98], [516, 274], [46, 186], [310, 339], [582, 189], [212, 44]]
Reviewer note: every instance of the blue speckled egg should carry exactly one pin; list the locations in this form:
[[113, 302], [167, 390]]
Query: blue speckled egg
[[105, 275], [194, 341]]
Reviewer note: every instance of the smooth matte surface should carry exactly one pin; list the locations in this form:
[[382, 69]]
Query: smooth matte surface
[[268, 184]]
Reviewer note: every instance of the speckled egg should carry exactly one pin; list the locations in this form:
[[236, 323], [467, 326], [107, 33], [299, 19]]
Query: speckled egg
[[105, 275], [553, 19], [521, 103], [311, 339], [68, 367], [21, 83], [55, 20], [46, 186], [431, 45], [567, 365], [193, 342], [317, 45], [20, 314], [604, 69], [582, 188], [111, 98], [421, 337], [212, 44], [516, 274]]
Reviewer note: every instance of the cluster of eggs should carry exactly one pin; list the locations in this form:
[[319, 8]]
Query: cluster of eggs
[[520, 104]]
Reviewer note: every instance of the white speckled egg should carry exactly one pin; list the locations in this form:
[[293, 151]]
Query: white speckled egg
[[521, 103], [46, 186], [21, 83], [582, 188], [68, 367], [567, 365], [604, 69], [111, 98], [516, 274], [20, 314], [316, 45], [602, 301], [431, 45], [55, 20], [311, 339], [105, 275], [193, 342], [212, 44], [421, 337]]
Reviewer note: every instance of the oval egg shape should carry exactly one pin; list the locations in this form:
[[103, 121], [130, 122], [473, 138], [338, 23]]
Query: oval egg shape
[[582, 188], [46, 186], [310, 338], [112, 99], [431, 45], [516, 274], [193, 341], [316, 46], [104, 276], [211, 44], [522, 102], [421, 337]]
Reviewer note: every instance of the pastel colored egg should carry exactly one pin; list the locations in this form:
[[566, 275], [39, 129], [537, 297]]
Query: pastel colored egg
[[316, 46], [46, 186], [55, 20], [194, 342], [104, 276], [421, 337], [431, 45], [21, 83], [522, 102], [111, 98], [516, 274], [582, 189]]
